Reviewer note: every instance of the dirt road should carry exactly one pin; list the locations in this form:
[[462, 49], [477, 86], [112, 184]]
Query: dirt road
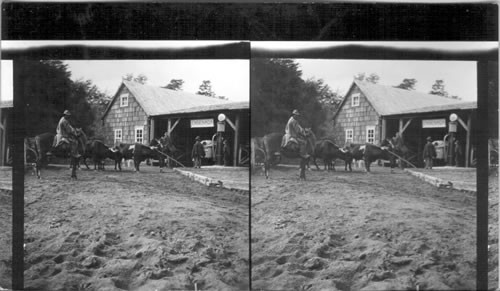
[[493, 232], [5, 238], [359, 231], [133, 231]]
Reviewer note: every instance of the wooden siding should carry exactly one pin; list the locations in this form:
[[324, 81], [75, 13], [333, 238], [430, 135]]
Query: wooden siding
[[357, 118], [126, 118]]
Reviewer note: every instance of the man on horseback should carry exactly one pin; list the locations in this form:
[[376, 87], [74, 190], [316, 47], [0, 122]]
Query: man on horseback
[[66, 133], [294, 132]]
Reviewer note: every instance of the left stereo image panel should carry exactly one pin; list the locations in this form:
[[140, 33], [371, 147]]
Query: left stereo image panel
[[6, 122], [136, 173]]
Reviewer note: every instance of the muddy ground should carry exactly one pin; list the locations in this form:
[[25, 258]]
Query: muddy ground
[[5, 238], [493, 231], [359, 231], [133, 231]]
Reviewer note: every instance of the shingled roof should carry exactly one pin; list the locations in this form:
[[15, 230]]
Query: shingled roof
[[387, 100], [160, 101], [216, 107]]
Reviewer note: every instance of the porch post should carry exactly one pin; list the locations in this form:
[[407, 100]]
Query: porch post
[[236, 140], [169, 125], [151, 129], [467, 142], [383, 132]]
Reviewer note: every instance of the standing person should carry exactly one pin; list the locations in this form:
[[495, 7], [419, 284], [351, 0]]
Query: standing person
[[198, 152], [226, 150], [293, 130], [429, 153]]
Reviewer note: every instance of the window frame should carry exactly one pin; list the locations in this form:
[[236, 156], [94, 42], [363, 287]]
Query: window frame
[[368, 129], [347, 139], [136, 130], [121, 134], [124, 99], [355, 97]]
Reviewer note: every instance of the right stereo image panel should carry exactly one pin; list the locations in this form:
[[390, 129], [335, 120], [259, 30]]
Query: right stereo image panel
[[364, 168]]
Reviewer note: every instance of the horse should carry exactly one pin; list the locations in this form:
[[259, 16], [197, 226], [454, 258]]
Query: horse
[[66, 149], [273, 151]]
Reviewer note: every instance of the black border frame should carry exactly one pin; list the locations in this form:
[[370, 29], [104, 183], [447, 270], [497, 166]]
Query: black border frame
[[253, 22]]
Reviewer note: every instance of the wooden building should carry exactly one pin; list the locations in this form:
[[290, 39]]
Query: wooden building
[[138, 113], [5, 137], [370, 113]]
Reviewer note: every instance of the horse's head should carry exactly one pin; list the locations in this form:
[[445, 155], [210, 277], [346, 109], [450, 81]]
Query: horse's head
[[311, 137]]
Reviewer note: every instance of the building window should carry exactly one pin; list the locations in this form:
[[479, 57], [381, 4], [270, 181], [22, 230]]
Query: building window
[[124, 99], [139, 134], [349, 135], [118, 136], [370, 134], [355, 99]]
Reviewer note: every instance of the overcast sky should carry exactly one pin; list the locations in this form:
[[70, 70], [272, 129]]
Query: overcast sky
[[229, 78], [6, 80], [460, 78]]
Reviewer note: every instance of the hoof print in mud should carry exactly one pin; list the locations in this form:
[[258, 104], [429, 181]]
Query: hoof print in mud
[[314, 263], [91, 262], [362, 256], [177, 259], [401, 261], [160, 274], [381, 276]]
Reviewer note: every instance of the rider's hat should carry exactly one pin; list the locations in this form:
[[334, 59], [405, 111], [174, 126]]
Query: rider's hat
[[429, 138], [198, 138], [295, 112], [67, 113]]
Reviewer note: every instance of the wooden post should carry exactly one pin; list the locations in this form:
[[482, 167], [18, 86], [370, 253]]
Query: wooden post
[[24, 153], [3, 139], [420, 146], [401, 130], [384, 130], [236, 140], [401, 126], [169, 125], [467, 142], [152, 133]]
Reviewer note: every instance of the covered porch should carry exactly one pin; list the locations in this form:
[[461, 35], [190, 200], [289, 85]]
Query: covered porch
[[230, 122], [444, 124]]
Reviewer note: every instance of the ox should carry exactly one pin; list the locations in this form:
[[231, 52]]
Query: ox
[[123, 151], [138, 152], [142, 152], [98, 152], [370, 153], [329, 152]]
